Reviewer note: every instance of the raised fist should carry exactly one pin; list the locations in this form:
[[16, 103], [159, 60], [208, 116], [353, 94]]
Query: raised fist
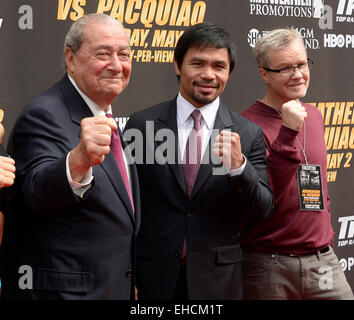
[[293, 114]]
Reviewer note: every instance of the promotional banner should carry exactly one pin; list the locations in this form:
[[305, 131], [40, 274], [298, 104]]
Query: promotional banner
[[31, 60]]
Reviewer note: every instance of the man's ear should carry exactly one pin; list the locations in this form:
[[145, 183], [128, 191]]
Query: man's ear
[[264, 75], [69, 60], [178, 72]]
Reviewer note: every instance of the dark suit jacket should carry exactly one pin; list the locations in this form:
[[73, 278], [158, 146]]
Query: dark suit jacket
[[210, 218], [78, 248]]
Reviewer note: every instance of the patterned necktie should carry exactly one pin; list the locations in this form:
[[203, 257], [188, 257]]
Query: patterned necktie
[[193, 151], [117, 150]]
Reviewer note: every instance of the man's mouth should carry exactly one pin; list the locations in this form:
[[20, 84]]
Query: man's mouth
[[295, 85], [206, 87]]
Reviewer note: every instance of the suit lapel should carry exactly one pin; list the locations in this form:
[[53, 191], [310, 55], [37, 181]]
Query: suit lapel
[[222, 121], [135, 193], [133, 182], [168, 120], [109, 165], [78, 110]]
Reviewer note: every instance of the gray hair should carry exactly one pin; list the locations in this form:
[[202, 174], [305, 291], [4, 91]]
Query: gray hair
[[275, 39], [75, 36]]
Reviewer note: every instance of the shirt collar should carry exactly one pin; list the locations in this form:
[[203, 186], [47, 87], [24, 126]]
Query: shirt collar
[[185, 108], [94, 107]]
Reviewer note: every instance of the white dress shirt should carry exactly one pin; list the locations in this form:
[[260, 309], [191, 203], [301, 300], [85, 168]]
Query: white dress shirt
[[185, 125]]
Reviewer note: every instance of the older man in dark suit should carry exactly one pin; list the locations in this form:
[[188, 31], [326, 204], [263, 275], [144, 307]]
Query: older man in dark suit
[[188, 246], [71, 233]]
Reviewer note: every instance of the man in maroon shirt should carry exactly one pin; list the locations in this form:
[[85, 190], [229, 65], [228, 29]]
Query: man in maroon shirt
[[290, 255]]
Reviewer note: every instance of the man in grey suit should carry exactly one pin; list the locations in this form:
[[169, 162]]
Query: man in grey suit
[[71, 233], [188, 246]]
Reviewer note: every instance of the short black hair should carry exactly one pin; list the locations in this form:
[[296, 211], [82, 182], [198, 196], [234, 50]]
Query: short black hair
[[205, 35]]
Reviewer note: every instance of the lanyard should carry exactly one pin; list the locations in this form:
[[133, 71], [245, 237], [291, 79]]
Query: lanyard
[[303, 149]]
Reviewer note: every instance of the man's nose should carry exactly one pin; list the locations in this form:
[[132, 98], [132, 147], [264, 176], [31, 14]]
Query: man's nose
[[116, 64], [297, 73], [208, 73]]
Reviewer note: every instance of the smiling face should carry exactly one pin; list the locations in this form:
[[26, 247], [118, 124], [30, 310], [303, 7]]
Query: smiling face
[[283, 89], [101, 67], [203, 74]]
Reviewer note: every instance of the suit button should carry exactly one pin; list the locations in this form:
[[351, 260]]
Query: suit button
[[129, 273], [188, 213], [178, 253]]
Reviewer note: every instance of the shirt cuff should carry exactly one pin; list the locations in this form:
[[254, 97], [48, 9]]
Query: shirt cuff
[[79, 188], [238, 171], [287, 136]]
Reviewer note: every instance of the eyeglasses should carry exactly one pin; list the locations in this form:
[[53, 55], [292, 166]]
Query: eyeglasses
[[289, 71]]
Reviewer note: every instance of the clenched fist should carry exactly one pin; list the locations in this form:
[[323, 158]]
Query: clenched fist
[[7, 171], [293, 114], [227, 147], [7, 165], [93, 146]]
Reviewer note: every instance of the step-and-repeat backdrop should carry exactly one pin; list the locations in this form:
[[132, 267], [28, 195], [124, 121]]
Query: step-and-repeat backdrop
[[31, 45]]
